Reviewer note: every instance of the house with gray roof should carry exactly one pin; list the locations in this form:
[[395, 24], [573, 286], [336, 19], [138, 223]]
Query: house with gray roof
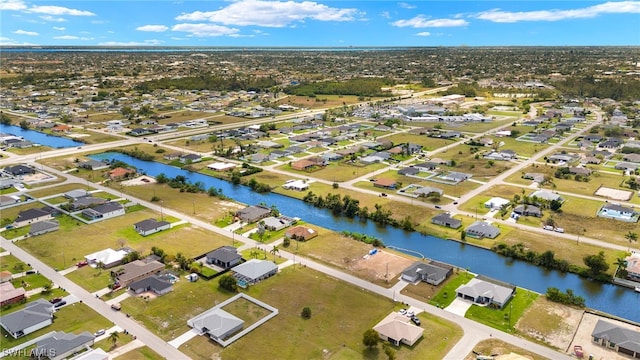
[[217, 324], [617, 338], [31, 216], [408, 171], [136, 270], [433, 272], [618, 212], [84, 202], [104, 211], [152, 283], [76, 194], [253, 213], [35, 316], [6, 183], [528, 210], [254, 270], [546, 195], [627, 166], [225, 257], [276, 223], [43, 227], [150, 226], [482, 229], [61, 345], [482, 290], [19, 170], [445, 219], [93, 165]]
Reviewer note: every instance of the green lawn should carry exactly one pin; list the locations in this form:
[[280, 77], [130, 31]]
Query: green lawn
[[90, 279], [143, 353], [31, 281], [12, 264], [447, 293], [499, 318], [337, 171], [428, 143], [107, 344]]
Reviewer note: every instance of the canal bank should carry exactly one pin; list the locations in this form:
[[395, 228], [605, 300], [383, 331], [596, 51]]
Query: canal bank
[[607, 298]]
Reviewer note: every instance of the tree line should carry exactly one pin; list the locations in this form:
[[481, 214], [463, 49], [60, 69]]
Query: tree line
[[209, 82], [356, 86]]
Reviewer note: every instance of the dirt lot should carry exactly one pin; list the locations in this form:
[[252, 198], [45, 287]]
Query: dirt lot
[[583, 338], [550, 322], [140, 180], [376, 266]]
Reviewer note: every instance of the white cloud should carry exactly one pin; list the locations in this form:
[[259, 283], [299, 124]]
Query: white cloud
[[132, 43], [8, 41], [66, 37], [59, 10], [59, 28], [152, 28], [385, 14], [612, 7], [424, 33], [406, 5], [421, 21], [24, 32], [205, 30], [272, 13], [15, 5], [52, 19]]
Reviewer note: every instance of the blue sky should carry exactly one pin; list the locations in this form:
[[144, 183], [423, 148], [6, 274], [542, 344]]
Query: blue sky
[[319, 23]]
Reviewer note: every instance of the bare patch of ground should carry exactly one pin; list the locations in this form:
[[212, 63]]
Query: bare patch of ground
[[583, 338], [381, 266], [550, 322], [615, 194], [502, 349], [140, 180]]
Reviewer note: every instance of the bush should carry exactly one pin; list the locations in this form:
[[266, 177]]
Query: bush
[[306, 313]]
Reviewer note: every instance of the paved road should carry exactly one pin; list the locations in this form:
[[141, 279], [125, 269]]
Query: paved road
[[144, 335]]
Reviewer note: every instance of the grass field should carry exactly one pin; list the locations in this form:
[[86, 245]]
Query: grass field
[[90, 279], [13, 264], [493, 346], [315, 338], [465, 161], [337, 171], [447, 291], [428, 143], [142, 353]]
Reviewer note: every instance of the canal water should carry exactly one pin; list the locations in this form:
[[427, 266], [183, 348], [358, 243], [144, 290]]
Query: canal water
[[608, 298], [37, 137]]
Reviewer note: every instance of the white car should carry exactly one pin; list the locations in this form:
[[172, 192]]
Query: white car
[[410, 314], [402, 311], [99, 332]]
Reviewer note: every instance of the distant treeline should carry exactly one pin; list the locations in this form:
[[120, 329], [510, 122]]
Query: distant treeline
[[358, 86], [603, 88], [209, 82]]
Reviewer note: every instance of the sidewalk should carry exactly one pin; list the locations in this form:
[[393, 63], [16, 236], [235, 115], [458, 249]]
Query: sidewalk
[[120, 350], [184, 338]]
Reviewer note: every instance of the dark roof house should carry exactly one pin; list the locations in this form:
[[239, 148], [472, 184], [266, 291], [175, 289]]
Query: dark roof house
[[151, 226], [225, 257], [615, 337], [432, 273]]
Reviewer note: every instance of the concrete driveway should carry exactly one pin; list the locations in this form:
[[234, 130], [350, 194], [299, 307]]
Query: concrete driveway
[[459, 307]]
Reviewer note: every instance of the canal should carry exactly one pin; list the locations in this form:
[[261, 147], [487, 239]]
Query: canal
[[37, 137], [608, 298]]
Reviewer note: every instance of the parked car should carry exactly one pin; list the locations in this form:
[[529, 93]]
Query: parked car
[[55, 300], [548, 227], [82, 263], [559, 229], [402, 311], [29, 272], [99, 332], [116, 306], [415, 320], [59, 304], [438, 207]]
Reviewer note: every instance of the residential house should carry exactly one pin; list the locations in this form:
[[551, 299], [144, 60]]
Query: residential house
[[7, 183], [503, 155], [225, 257], [303, 165], [482, 290], [397, 329], [445, 219], [93, 165], [35, 316], [9, 200], [618, 212], [120, 173], [104, 211], [611, 143], [276, 223], [579, 171], [300, 233], [190, 158], [60, 345], [594, 138], [31, 216], [590, 160], [217, 324], [454, 176], [546, 195], [433, 273], [536, 177], [172, 156], [43, 227], [136, 270], [299, 185], [152, 283], [19, 170], [5, 276], [617, 338], [561, 158], [254, 270], [633, 266], [627, 166], [635, 158], [528, 210], [481, 229], [10, 294], [377, 157], [496, 203], [92, 354], [253, 213], [425, 191], [427, 166], [86, 201], [385, 183], [150, 226], [106, 258], [76, 194], [220, 166], [409, 171]]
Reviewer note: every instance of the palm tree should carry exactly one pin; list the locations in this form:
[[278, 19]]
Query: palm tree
[[274, 251], [254, 254], [114, 337], [631, 236]]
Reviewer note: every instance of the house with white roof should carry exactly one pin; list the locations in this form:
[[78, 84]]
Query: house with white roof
[[107, 257], [482, 290], [254, 270], [496, 203]]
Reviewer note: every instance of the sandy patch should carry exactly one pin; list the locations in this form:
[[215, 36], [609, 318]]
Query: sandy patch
[[550, 322], [140, 180], [615, 194], [583, 338], [376, 266]]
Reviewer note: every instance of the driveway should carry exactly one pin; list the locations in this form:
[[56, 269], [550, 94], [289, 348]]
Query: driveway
[[459, 307]]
